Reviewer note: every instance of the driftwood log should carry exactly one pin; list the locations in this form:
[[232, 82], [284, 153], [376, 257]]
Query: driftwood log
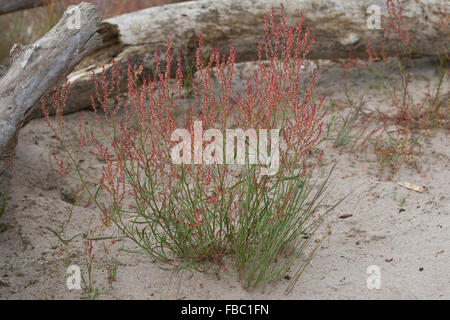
[[37, 68], [7, 6], [339, 27]]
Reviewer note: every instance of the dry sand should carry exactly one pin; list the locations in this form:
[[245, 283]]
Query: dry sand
[[416, 238]]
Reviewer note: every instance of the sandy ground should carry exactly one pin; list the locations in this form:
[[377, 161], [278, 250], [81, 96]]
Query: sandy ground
[[387, 222]]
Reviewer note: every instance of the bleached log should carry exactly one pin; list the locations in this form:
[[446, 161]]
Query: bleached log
[[38, 67]]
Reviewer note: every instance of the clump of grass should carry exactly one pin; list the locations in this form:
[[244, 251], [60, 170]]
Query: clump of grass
[[265, 246], [187, 214], [398, 131], [410, 122], [424, 115], [393, 150], [343, 129]]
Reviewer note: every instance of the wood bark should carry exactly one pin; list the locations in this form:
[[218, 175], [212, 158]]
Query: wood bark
[[37, 68], [339, 27], [8, 6]]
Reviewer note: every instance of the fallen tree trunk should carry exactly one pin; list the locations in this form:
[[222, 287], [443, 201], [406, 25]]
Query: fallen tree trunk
[[337, 26], [3, 70], [7, 6], [37, 68]]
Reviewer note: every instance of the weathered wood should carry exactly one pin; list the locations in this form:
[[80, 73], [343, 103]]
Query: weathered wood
[[337, 26], [38, 67], [3, 70], [7, 6]]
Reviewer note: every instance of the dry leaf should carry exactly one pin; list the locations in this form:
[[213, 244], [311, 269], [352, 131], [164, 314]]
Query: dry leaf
[[388, 259], [346, 215], [411, 186], [439, 252]]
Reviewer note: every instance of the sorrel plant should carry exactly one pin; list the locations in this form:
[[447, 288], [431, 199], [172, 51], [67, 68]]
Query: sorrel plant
[[395, 138], [189, 214]]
